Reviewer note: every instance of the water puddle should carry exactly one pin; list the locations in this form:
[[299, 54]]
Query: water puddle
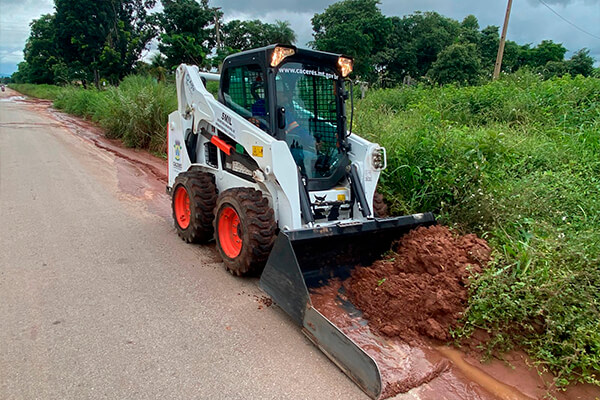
[[12, 99]]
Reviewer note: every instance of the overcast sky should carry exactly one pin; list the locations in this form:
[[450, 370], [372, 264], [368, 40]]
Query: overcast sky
[[530, 20]]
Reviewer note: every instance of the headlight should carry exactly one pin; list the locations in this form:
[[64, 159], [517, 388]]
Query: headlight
[[378, 158], [279, 53], [345, 65]]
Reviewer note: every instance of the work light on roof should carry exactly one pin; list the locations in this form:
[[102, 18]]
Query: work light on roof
[[279, 53], [345, 65]]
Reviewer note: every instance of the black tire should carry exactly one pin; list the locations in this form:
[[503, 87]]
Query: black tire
[[254, 232], [202, 192], [380, 209]]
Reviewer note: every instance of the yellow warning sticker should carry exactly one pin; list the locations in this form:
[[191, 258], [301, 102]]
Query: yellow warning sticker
[[341, 197], [257, 151]]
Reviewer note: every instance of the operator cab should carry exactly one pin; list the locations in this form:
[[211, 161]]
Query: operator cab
[[298, 96]]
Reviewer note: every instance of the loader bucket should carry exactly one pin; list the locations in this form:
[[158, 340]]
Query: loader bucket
[[309, 258]]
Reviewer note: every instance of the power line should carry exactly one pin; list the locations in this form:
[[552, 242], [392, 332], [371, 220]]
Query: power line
[[569, 22]]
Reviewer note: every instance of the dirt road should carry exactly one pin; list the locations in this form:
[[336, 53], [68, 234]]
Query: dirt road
[[99, 298]]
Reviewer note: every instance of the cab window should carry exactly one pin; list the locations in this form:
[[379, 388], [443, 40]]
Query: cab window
[[245, 93]]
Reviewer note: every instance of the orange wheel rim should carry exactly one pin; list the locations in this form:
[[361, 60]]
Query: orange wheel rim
[[182, 207], [230, 237]]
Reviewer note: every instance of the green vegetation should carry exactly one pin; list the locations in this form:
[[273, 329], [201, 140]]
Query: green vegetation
[[40, 91], [518, 162], [83, 42]]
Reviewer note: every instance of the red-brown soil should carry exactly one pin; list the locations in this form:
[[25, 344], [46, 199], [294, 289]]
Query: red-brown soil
[[421, 288]]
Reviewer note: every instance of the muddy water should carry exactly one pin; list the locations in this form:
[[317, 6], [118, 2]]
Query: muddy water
[[403, 366]]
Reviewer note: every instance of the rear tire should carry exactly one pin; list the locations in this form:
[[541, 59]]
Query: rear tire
[[380, 209], [244, 230], [194, 201]]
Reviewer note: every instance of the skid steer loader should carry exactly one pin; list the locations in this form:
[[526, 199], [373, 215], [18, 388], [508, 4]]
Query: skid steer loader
[[271, 170]]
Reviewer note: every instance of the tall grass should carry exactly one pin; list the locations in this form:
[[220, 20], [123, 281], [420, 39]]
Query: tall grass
[[136, 111], [518, 161], [40, 91]]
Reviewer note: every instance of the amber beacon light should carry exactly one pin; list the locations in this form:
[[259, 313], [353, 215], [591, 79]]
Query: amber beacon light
[[345, 65], [279, 53]]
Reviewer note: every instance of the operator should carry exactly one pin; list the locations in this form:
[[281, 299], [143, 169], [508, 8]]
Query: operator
[[301, 142]]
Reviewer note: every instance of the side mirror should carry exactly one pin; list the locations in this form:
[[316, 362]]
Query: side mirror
[[281, 118]]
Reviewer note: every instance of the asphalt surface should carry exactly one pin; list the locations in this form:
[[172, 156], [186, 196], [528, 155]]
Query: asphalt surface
[[99, 298]]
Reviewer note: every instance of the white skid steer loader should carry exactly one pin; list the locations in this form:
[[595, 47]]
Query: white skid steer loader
[[271, 171]]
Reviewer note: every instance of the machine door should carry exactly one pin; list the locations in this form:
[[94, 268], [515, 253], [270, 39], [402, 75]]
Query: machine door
[[245, 92]]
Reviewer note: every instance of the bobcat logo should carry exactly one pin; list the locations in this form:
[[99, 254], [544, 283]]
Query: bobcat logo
[[320, 199]]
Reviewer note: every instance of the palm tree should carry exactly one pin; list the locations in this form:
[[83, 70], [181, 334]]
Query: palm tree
[[282, 33]]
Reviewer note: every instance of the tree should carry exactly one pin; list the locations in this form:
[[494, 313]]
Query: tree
[[102, 38], [41, 51], [245, 35], [22, 74], [282, 33], [488, 46], [186, 33], [581, 63], [546, 51], [552, 69], [414, 43], [457, 63], [353, 27], [469, 30]]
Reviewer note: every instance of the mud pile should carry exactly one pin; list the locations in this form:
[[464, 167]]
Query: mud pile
[[421, 288]]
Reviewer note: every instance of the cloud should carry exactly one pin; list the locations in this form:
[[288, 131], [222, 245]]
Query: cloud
[[15, 17], [563, 2]]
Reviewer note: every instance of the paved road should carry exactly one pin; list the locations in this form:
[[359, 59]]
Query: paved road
[[99, 298]]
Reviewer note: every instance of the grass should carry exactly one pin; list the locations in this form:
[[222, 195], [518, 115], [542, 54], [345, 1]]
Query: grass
[[516, 161], [40, 91]]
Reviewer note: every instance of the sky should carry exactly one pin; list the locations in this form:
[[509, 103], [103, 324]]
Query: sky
[[530, 21]]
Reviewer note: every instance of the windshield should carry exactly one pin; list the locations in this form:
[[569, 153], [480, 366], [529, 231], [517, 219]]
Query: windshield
[[309, 96]]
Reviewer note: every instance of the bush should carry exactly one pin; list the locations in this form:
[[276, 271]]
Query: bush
[[137, 112], [517, 161]]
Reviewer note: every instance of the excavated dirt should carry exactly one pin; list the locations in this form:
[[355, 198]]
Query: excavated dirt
[[420, 289]]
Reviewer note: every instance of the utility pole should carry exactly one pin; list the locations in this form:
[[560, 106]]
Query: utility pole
[[217, 28], [502, 40]]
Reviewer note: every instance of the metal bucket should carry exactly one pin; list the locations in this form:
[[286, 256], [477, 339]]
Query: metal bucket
[[309, 258]]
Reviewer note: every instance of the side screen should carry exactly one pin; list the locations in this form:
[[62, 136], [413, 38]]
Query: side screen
[[245, 93]]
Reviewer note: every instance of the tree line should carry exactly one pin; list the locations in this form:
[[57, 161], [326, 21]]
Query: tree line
[[103, 41]]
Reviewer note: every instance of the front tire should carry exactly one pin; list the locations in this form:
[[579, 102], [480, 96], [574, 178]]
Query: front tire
[[244, 230], [194, 201]]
